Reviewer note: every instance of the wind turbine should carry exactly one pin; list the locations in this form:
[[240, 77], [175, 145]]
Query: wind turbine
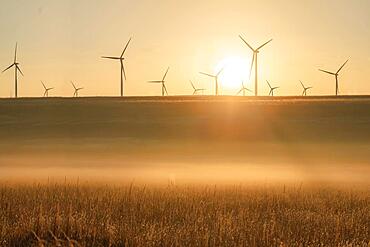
[[16, 68], [305, 89], [121, 58], [75, 94], [196, 90], [272, 89], [164, 88], [244, 89], [215, 77], [336, 76], [254, 59], [46, 93]]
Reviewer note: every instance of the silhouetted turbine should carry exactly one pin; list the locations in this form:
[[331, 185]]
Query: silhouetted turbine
[[244, 89], [215, 77], [46, 93], [121, 58], [336, 77], [164, 88], [255, 58], [75, 94], [16, 68], [305, 89], [272, 89], [196, 90]]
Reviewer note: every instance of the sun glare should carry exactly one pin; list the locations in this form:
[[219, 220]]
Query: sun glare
[[235, 70]]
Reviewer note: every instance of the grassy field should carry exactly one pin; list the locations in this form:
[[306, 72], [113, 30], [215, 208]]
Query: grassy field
[[132, 215], [185, 171]]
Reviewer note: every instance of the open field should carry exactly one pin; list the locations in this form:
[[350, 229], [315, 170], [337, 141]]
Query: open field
[[133, 215], [185, 171]]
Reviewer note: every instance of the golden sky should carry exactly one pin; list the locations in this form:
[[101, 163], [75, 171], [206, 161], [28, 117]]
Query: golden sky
[[61, 41]]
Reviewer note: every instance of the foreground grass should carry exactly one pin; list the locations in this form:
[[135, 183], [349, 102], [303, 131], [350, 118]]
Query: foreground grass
[[94, 215]]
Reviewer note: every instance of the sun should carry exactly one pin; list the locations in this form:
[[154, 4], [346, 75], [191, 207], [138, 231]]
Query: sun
[[235, 71]]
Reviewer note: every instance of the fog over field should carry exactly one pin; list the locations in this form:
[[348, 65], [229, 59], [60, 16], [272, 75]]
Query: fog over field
[[186, 139]]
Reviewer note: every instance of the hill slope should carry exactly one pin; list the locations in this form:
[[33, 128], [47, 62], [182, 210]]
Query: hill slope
[[144, 131]]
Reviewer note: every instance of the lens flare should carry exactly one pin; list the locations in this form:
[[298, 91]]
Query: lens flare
[[235, 71]]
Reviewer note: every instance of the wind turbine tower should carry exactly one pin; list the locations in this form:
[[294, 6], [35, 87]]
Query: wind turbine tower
[[196, 90], [46, 92], [305, 89], [121, 58], [77, 89], [15, 64], [216, 76], [336, 74], [162, 82], [254, 60], [272, 89], [244, 89]]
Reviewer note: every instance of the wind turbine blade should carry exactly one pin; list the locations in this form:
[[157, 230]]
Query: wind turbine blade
[[328, 72], [302, 84], [207, 74], [154, 81], [243, 84], [241, 90], [250, 71], [250, 47], [264, 44], [269, 84], [220, 72], [192, 85], [20, 71], [8, 68], [15, 53], [165, 89], [115, 58], [73, 85], [165, 74], [342, 67], [249, 90], [124, 72], [44, 85], [124, 50]]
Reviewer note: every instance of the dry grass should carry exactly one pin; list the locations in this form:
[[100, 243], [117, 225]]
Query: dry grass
[[96, 215]]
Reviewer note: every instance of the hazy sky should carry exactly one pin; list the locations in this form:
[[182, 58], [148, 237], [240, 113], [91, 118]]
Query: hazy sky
[[63, 40]]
